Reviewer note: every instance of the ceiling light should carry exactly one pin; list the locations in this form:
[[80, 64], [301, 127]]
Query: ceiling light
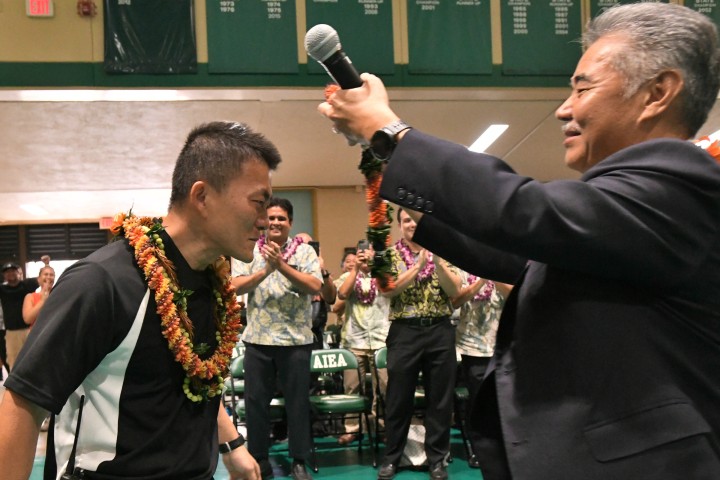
[[36, 210], [487, 138]]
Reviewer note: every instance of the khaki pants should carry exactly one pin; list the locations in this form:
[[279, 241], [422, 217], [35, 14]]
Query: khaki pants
[[14, 341], [366, 364]]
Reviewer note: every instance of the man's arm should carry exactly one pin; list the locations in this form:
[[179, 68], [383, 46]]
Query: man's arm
[[239, 463], [20, 422], [449, 281], [328, 292], [245, 283]]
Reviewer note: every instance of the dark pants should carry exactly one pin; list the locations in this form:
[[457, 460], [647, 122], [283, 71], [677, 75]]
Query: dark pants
[[412, 349], [473, 371], [289, 367]]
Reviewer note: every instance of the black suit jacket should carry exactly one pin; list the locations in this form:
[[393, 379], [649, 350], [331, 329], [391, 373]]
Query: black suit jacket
[[607, 363]]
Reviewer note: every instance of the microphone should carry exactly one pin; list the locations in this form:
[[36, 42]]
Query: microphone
[[323, 45]]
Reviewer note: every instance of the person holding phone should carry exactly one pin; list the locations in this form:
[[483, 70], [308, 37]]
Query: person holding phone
[[365, 329]]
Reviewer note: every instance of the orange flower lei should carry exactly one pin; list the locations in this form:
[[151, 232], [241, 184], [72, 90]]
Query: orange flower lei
[[204, 378], [710, 146], [379, 217]]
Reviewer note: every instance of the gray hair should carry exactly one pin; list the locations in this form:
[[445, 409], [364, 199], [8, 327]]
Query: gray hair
[[664, 36]]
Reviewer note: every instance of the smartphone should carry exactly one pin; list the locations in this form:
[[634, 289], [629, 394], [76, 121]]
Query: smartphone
[[363, 245], [316, 246]]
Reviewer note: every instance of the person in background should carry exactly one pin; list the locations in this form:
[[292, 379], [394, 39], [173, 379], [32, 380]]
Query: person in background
[[280, 281], [480, 302], [35, 301], [364, 331], [606, 359], [346, 264], [12, 296], [131, 352], [421, 339], [327, 296]]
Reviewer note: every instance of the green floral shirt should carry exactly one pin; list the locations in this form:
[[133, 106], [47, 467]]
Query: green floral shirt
[[277, 313], [478, 325], [366, 326], [419, 299]]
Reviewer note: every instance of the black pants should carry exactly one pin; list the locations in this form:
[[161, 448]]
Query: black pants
[[289, 367], [473, 371], [412, 349]]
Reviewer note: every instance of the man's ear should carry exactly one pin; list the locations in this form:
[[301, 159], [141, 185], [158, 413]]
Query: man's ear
[[198, 196], [662, 93]]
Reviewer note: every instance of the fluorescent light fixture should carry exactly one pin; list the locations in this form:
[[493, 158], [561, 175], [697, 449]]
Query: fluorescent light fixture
[[487, 138], [36, 210]]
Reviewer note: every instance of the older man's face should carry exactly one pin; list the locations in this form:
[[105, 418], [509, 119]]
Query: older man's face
[[599, 119]]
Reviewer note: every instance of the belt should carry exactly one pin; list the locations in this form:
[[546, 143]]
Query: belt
[[421, 321]]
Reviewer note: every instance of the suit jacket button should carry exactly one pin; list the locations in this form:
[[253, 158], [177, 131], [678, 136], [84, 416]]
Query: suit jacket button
[[401, 193]]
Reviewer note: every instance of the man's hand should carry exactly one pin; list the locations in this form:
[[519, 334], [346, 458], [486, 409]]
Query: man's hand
[[359, 112], [241, 465], [272, 253]]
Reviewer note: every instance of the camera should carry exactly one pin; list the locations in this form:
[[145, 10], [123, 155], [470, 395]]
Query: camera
[[363, 245]]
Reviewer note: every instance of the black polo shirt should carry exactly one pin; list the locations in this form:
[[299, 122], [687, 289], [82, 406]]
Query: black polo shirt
[[99, 335]]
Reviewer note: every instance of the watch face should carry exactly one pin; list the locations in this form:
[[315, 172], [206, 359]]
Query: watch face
[[382, 145]]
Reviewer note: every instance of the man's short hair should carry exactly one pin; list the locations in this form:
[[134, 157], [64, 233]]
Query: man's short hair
[[662, 36], [215, 153], [283, 203]]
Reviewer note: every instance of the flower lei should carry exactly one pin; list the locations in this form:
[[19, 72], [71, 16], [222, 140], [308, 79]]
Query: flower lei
[[204, 378], [365, 297], [379, 216], [485, 293], [409, 260], [288, 252], [710, 146]]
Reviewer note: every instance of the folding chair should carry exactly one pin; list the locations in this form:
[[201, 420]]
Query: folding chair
[[338, 406]]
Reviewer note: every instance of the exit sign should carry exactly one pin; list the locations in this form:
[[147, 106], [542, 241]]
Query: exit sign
[[39, 8]]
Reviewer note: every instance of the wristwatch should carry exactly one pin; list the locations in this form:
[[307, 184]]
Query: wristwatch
[[384, 141], [228, 447]]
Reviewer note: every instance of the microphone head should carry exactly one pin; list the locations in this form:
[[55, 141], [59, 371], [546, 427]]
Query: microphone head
[[321, 41]]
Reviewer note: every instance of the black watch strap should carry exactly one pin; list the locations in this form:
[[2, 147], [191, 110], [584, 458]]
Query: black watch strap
[[228, 447], [384, 141]]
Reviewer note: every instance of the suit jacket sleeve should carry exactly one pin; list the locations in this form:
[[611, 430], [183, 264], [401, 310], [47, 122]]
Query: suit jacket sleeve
[[660, 198]]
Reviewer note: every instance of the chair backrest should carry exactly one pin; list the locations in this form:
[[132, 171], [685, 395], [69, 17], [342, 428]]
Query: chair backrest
[[332, 360], [381, 357], [237, 367]]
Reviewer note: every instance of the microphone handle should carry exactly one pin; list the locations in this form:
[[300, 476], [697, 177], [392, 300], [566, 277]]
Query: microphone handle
[[341, 69]]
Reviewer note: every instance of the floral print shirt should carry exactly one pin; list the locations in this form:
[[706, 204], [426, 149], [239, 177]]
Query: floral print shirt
[[421, 298], [478, 325], [366, 326], [277, 313]]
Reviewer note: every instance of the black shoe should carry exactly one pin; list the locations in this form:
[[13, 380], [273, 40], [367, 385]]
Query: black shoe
[[299, 472], [266, 470], [473, 462], [438, 471], [387, 471]]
